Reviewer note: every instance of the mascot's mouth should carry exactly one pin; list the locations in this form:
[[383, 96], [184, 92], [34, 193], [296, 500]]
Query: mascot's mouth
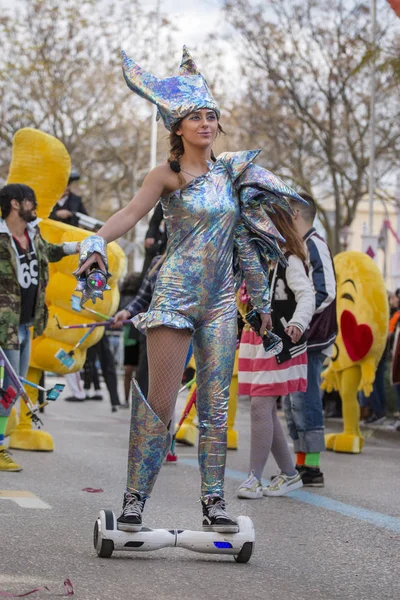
[[336, 356]]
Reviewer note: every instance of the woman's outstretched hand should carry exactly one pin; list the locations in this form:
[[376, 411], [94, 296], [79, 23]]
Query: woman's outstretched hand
[[93, 258], [266, 323]]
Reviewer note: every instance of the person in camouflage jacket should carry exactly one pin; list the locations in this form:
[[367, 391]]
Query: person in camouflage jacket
[[24, 258], [10, 299]]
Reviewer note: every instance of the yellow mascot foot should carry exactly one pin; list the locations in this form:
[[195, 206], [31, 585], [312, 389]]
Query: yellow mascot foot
[[12, 422], [232, 439], [31, 439], [7, 463], [187, 434], [344, 442]]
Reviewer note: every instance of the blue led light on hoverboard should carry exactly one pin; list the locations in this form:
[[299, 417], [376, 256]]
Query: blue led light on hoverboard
[[222, 545]]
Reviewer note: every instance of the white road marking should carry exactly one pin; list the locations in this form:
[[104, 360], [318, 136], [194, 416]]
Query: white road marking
[[24, 499]]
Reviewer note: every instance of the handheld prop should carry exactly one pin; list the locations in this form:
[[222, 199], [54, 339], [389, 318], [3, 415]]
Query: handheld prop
[[272, 343], [65, 358], [51, 394], [8, 395], [91, 325], [76, 305], [92, 283], [19, 389]]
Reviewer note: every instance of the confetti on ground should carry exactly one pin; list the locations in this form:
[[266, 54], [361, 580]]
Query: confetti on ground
[[69, 591]]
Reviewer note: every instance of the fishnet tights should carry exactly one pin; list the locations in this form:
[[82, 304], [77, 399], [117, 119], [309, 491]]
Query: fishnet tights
[[167, 349], [267, 435]]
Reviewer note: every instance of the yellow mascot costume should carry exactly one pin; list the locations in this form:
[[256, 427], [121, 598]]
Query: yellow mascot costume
[[363, 315], [42, 162]]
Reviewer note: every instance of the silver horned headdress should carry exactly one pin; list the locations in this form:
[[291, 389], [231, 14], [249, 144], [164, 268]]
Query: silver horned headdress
[[175, 97]]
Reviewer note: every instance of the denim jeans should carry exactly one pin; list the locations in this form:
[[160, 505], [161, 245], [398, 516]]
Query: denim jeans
[[19, 360], [303, 410]]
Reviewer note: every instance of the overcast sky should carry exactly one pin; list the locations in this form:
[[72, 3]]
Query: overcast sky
[[195, 19]]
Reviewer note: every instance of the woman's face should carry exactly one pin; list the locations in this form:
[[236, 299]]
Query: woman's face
[[199, 128]]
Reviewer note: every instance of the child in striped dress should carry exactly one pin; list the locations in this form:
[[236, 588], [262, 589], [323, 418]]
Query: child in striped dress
[[264, 378]]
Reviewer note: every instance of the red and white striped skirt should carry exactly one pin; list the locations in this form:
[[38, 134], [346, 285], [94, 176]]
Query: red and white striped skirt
[[261, 376]]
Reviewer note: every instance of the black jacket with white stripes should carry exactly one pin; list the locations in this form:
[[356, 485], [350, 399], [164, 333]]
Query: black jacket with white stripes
[[321, 271], [292, 303]]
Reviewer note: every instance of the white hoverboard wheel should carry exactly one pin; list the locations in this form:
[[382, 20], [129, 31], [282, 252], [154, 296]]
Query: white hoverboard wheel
[[103, 547]]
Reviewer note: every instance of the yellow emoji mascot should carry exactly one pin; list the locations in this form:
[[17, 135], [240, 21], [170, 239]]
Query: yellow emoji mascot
[[42, 162], [363, 315]]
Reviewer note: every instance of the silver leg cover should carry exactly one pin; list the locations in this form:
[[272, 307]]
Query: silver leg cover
[[149, 442]]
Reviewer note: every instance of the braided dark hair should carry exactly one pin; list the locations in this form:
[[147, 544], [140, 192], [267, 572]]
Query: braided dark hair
[[176, 151]]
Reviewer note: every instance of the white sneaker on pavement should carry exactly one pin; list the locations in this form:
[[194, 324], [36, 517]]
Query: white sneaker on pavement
[[251, 488], [283, 484], [395, 426]]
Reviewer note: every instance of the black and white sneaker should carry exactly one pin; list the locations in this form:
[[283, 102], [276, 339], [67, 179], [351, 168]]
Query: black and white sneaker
[[131, 517], [311, 477], [215, 517]]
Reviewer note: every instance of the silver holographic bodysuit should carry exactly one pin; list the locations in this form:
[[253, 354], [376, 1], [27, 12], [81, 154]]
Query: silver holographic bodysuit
[[195, 289]]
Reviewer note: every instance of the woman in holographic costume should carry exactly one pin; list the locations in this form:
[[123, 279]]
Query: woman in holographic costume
[[218, 231]]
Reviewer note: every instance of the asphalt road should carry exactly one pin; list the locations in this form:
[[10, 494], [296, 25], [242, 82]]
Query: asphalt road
[[340, 542]]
